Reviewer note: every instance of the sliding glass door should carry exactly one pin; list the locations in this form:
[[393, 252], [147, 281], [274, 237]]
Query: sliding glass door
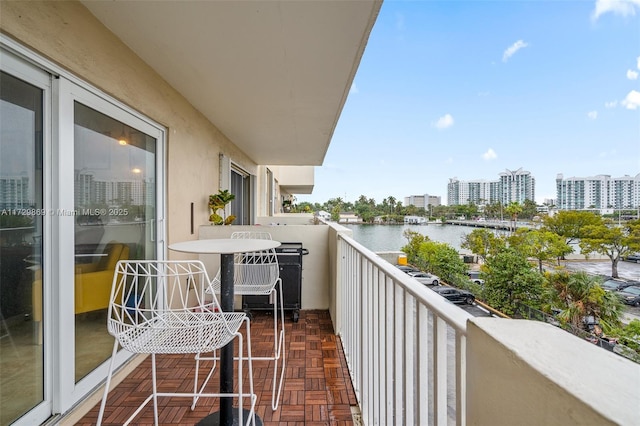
[[114, 190], [80, 188], [22, 366]]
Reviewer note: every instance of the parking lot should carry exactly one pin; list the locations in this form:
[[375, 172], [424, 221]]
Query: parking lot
[[626, 270]]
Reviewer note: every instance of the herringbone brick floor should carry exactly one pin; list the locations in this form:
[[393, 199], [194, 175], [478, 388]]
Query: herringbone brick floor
[[317, 388]]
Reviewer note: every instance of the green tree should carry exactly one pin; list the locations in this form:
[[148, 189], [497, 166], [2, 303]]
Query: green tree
[[529, 209], [482, 242], [414, 239], [513, 209], [579, 295], [510, 279], [391, 204], [539, 244], [629, 337], [442, 260], [611, 240], [570, 224], [335, 213], [365, 208], [493, 210], [438, 258]]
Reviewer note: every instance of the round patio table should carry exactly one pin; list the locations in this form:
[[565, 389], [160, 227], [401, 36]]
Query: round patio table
[[226, 248]]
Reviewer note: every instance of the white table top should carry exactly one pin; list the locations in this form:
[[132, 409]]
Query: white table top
[[224, 246]]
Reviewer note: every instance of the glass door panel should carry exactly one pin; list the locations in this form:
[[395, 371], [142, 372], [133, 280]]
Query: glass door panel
[[115, 209], [21, 269], [240, 204]]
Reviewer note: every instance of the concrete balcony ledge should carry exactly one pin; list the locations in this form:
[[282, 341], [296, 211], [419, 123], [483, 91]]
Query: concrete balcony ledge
[[532, 373]]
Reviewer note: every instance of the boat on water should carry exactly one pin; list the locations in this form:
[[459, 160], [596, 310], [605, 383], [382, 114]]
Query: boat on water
[[415, 220]]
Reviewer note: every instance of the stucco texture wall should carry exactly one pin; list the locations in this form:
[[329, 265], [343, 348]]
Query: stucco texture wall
[[531, 373], [66, 33]]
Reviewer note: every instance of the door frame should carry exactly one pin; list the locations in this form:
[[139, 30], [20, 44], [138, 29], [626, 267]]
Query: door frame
[[61, 392]]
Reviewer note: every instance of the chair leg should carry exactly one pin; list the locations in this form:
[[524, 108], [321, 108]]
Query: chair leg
[[107, 383], [197, 392], [278, 348], [252, 396], [155, 388], [239, 335]]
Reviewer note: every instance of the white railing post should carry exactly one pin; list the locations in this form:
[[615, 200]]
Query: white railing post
[[397, 338]]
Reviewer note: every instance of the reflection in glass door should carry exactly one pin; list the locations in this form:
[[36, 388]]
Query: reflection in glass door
[[21, 230], [114, 206]]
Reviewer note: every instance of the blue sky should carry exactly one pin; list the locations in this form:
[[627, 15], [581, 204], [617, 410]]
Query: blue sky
[[467, 89]]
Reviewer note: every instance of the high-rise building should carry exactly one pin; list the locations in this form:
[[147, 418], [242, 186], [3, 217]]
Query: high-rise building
[[423, 201], [598, 192], [15, 193], [476, 192], [512, 186]]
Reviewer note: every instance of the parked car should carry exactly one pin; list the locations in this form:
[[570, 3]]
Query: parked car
[[426, 278], [617, 285], [633, 257], [630, 295], [455, 295], [407, 268], [475, 277]]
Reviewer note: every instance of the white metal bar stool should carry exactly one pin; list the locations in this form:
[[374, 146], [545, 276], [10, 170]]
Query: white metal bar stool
[[258, 273], [169, 307]]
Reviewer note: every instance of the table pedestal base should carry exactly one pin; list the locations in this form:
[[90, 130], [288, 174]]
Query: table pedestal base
[[214, 419]]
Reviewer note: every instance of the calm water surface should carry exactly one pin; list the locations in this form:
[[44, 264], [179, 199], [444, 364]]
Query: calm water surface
[[390, 237]]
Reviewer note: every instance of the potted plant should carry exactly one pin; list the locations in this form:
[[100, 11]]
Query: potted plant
[[218, 202], [287, 204]]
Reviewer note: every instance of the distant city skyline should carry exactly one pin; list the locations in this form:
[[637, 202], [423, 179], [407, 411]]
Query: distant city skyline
[[471, 88], [510, 186]]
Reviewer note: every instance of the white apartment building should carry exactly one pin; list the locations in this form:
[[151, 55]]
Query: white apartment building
[[15, 192], [600, 192], [516, 186], [423, 201], [511, 186], [476, 191]]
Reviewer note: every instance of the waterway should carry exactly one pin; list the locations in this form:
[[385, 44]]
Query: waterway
[[391, 237]]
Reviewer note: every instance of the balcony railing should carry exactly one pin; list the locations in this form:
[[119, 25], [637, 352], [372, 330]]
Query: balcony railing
[[405, 345], [414, 358]]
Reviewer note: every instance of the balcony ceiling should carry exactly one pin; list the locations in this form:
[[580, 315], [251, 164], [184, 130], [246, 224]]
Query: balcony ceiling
[[273, 76]]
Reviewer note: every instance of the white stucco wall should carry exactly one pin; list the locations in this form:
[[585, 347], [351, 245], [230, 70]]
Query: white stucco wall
[[523, 372], [70, 36], [315, 265]]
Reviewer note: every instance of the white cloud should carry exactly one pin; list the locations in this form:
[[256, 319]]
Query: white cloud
[[611, 104], [354, 89], [632, 101], [484, 93], [511, 50], [617, 7], [489, 155], [444, 122], [632, 75], [592, 115], [638, 62]]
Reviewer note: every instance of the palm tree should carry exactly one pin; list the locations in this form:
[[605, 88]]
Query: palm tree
[[392, 202], [580, 295], [513, 209]]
